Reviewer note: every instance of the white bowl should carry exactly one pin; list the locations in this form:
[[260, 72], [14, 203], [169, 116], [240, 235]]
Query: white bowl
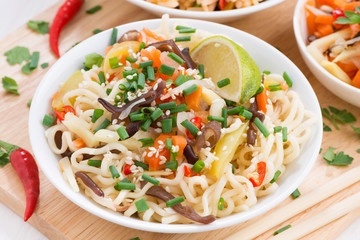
[[214, 16], [266, 56], [339, 88]]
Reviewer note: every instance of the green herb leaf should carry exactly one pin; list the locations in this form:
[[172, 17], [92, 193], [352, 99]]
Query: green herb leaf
[[44, 65], [97, 30], [339, 159], [326, 128], [4, 159], [38, 26], [94, 9], [329, 154], [93, 59], [26, 69], [10, 85], [343, 116], [17, 55], [357, 130], [358, 151]]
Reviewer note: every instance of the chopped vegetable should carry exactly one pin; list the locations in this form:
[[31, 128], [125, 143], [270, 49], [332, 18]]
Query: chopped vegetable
[[125, 186], [261, 100], [146, 142], [93, 59], [103, 125], [113, 38], [150, 179], [121, 131], [29, 103], [94, 163], [183, 39], [141, 164], [284, 134], [38, 26], [296, 194], [166, 125], [141, 205], [174, 201], [17, 54], [276, 175], [262, 128], [96, 31], [356, 130], [114, 172], [44, 65], [288, 80], [221, 204], [34, 61], [190, 127], [10, 85], [261, 170], [337, 159], [277, 129], [198, 166], [48, 120], [189, 90], [223, 83], [167, 70], [326, 128], [94, 9], [282, 229]]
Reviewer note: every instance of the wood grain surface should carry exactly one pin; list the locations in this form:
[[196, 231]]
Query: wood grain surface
[[58, 218]]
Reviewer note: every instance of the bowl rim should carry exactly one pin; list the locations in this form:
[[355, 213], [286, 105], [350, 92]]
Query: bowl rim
[[298, 36], [200, 14], [159, 227]]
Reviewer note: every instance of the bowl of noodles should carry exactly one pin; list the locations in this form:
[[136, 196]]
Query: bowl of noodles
[[139, 134], [211, 10]]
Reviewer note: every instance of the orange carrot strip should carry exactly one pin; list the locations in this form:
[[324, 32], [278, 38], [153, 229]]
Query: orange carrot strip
[[181, 142], [261, 100], [324, 19], [355, 28], [356, 80], [79, 143], [193, 99], [107, 50], [324, 29]]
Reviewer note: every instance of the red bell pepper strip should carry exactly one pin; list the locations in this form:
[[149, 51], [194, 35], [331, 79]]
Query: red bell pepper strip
[[197, 122], [61, 114], [222, 4], [188, 172], [261, 169], [25, 166], [64, 14], [127, 170]]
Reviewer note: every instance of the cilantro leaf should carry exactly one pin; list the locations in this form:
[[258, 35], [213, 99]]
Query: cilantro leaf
[[358, 151], [26, 69], [339, 159], [17, 55], [325, 112], [351, 17], [10, 85], [38, 26], [326, 128], [96, 31], [93, 59], [342, 116], [357, 130]]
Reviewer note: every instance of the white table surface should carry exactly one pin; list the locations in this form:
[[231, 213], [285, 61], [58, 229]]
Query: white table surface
[[12, 227]]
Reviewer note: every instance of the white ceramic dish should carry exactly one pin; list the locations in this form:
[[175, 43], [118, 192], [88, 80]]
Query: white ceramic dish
[[215, 16], [339, 88], [266, 56]]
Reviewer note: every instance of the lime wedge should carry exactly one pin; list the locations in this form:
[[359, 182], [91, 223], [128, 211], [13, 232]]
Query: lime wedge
[[223, 58]]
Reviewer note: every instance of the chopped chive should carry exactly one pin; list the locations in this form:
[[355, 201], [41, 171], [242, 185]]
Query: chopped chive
[[124, 86], [166, 125], [94, 163], [29, 103], [179, 27], [125, 186], [96, 31], [168, 82], [275, 87], [34, 61], [284, 134], [114, 172], [137, 117], [201, 70], [260, 90], [296, 194], [142, 46], [113, 38], [246, 114], [183, 39], [141, 205], [174, 120], [261, 127], [288, 80], [173, 165], [48, 120], [277, 129], [101, 76], [131, 60], [235, 110], [168, 105], [146, 142], [123, 134], [198, 166], [167, 70], [103, 125], [125, 180], [188, 30], [145, 125], [129, 72], [93, 9], [223, 83], [224, 114], [174, 201], [96, 115], [191, 127], [180, 80], [276, 175], [133, 87], [173, 157], [114, 62], [321, 150], [44, 65], [168, 143], [108, 91], [156, 114], [179, 108], [215, 118], [266, 72], [232, 168], [221, 203], [141, 81], [150, 73], [282, 229], [145, 64], [150, 179], [141, 164], [189, 90], [176, 58]]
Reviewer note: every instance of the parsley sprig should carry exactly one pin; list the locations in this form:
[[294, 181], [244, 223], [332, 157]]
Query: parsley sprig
[[351, 17], [337, 159], [338, 116]]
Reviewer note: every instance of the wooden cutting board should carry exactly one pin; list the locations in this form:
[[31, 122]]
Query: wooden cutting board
[[58, 218]]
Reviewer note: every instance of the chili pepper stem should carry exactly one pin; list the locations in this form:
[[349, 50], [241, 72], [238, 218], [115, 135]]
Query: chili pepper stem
[[9, 148]]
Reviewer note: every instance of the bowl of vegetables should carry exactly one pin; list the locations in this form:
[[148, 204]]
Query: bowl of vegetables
[[216, 11], [327, 37], [153, 130]]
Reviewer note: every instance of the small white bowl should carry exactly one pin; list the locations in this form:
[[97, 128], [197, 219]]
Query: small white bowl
[[341, 89], [214, 16], [267, 58]]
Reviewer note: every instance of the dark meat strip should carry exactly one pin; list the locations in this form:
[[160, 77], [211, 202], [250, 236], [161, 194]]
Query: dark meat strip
[[90, 183]]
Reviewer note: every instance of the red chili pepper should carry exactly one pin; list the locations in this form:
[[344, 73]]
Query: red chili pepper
[[222, 4], [127, 170], [25, 166], [261, 169], [338, 13], [197, 122], [61, 115], [189, 173], [64, 14]]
